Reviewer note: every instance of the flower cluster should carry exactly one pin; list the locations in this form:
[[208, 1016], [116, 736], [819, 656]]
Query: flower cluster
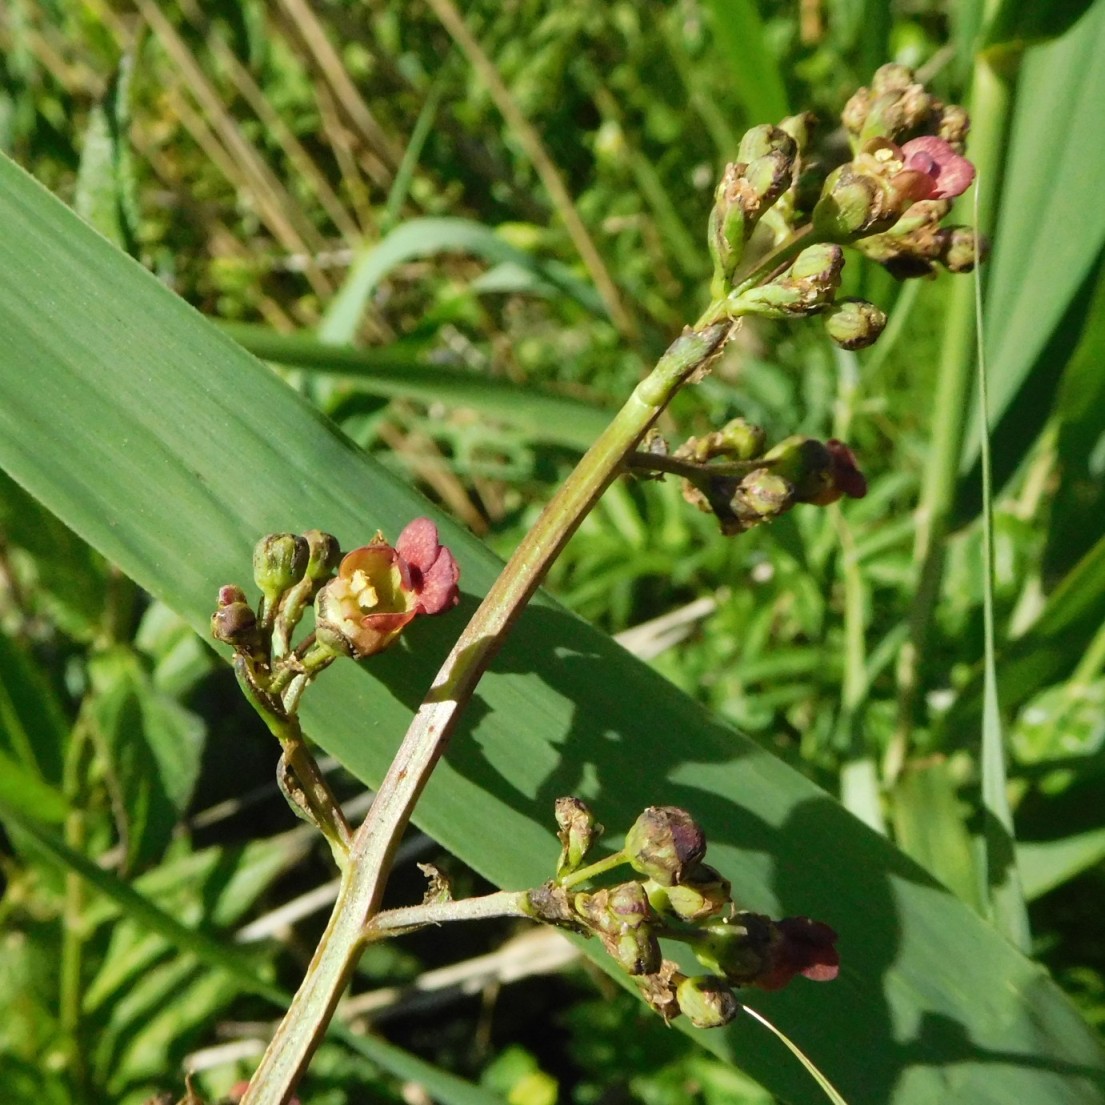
[[362, 603], [730, 473], [681, 898], [782, 211]]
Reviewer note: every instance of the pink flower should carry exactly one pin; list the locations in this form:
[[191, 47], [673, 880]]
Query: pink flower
[[379, 589], [949, 175]]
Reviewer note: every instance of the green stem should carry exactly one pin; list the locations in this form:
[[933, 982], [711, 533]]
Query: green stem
[[693, 470], [319, 801], [781, 256], [373, 846], [585, 874]]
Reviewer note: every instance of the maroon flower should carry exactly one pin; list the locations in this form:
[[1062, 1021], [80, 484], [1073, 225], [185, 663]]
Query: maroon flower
[[949, 175], [800, 947], [379, 589], [847, 478]]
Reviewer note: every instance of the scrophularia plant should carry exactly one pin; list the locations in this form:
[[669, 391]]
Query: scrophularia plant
[[782, 219]]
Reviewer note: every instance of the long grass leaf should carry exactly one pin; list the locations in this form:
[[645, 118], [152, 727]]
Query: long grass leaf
[[429, 238], [545, 418]]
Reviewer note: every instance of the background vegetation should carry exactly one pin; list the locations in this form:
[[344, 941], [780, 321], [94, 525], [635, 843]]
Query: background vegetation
[[461, 237]]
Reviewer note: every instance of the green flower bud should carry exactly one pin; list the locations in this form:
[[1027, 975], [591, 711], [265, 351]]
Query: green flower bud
[[739, 949], [805, 462], [615, 909], [821, 472], [578, 832], [961, 247], [707, 1001], [764, 170], [762, 495], [664, 843], [736, 440], [324, 555], [279, 561], [851, 204], [799, 127], [727, 230], [636, 951], [854, 323], [701, 895], [740, 439], [895, 105], [808, 285]]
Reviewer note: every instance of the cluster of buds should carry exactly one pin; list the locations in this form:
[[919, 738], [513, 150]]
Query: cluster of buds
[[780, 215], [362, 602], [677, 897], [731, 474]]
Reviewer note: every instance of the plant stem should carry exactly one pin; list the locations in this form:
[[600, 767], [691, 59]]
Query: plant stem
[[592, 871], [373, 846], [318, 800], [693, 470], [503, 903]]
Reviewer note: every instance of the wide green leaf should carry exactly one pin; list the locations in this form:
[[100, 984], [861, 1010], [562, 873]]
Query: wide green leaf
[[161, 442]]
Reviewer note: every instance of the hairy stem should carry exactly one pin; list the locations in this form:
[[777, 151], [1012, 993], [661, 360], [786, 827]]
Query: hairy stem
[[374, 844]]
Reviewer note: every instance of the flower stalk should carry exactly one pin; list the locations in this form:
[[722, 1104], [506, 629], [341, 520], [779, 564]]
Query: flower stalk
[[778, 254]]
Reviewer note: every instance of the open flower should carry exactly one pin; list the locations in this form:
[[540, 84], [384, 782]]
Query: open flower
[[379, 589], [949, 175]]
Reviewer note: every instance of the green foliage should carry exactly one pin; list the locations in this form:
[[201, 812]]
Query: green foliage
[[425, 295]]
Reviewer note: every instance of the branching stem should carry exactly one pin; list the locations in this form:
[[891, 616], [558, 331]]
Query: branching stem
[[373, 846]]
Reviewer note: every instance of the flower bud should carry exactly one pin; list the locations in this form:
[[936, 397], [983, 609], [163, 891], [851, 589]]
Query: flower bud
[[961, 247], [851, 204], [615, 909], [738, 439], [324, 555], [578, 832], [799, 127], [821, 472], [707, 1001], [702, 894], [279, 561], [664, 843], [235, 624], [808, 285], [761, 495], [763, 171], [621, 918], [854, 323], [894, 105], [954, 126]]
